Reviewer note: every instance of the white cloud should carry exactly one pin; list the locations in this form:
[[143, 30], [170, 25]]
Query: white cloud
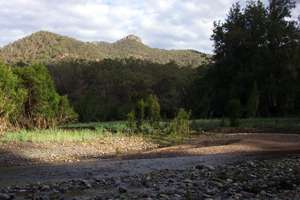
[[160, 23]]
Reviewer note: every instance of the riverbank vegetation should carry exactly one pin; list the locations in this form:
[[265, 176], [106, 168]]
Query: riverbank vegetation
[[254, 73]]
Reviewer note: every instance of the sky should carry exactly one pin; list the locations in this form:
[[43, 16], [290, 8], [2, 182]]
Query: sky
[[168, 24]]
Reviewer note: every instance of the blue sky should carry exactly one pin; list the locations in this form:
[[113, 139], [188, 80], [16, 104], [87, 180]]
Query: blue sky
[[170, 24]]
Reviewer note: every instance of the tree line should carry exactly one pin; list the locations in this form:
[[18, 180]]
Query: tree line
[[109, 89], [255, 73], [256, 69]]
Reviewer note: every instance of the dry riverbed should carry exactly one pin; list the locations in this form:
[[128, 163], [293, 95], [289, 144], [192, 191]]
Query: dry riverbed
[[252, 179], [133, 147], [211, 166]]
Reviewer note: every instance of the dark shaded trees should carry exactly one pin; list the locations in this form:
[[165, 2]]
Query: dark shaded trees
[[256, 61], [109, 89]]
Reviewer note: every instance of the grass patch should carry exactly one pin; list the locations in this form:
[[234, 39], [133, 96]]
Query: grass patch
[[258, 123], [63, 136], [80, 132], [52, 135], [113, 127]]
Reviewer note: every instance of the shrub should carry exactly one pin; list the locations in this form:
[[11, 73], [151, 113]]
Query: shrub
[[153, 110], [180, 124], [140, 113], [131, 123]]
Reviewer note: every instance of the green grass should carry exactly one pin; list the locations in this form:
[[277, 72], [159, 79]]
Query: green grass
[[114, 127], [82, 135], [52, 135], [81, 132], [258, 123]]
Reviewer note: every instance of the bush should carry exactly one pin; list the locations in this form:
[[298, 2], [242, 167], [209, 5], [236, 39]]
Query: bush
[[131, 123], [153, 110], [181, 124], [140, 113]]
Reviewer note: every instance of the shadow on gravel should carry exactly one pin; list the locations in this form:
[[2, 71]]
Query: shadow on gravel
[[13, 158], [122, 167]]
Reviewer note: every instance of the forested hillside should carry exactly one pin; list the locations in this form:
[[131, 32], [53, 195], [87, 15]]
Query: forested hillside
[[47, 47]]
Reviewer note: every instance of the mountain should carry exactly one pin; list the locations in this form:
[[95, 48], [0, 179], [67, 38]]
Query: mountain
[[47, 47]]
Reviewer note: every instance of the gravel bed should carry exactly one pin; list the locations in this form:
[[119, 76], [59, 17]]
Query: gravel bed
[[256, 179]]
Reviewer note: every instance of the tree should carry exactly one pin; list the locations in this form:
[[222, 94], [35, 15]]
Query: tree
[[258, 44], [140, 113], [109, 89], [43, 106], [153, 109], [12, 96]]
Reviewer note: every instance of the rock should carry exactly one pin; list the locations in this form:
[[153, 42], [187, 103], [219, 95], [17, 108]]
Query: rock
[[122, 189], [45, 187], [164, 196], [5, 196], [205, 166]]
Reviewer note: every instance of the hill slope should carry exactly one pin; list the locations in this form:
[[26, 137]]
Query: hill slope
[[49, 47]]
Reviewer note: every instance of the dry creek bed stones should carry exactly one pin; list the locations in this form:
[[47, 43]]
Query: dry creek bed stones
[[259, 179]]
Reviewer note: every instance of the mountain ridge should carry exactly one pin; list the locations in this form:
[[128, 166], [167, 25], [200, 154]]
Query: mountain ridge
[[47, 47]]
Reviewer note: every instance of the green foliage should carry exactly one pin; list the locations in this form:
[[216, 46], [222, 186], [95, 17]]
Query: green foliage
[[255, 44], [153, 110], [12, 95], [140, 113], [108, 90], [146, 116], [28, 98], [43, 107], [131, 121], [66, 113], [180, 125], [287, 124], [234, 111]]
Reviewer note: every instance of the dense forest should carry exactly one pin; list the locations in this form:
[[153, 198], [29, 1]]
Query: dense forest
[[109, 89], [254, 73]]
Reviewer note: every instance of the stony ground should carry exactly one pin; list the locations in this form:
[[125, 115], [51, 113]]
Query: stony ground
[[218, 166], [257, 179], [28, 153]]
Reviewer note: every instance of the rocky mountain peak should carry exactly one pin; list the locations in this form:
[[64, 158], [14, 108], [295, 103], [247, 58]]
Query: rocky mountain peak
[[132, 37]]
